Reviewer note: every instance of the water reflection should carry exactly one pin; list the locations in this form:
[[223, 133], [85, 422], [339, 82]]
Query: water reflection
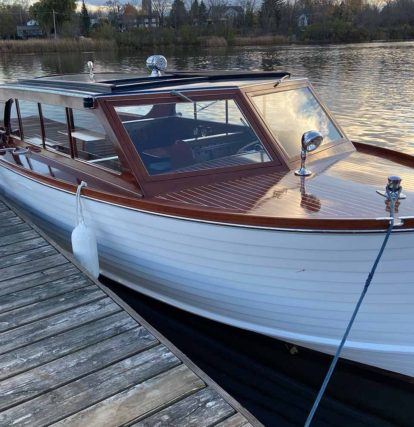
[[308, 201], [368, 86]]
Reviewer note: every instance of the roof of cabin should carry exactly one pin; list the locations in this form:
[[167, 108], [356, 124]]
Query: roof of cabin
[[117, 83]]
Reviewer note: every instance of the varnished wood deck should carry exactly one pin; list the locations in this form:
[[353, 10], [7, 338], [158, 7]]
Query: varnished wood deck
[[73, 354]]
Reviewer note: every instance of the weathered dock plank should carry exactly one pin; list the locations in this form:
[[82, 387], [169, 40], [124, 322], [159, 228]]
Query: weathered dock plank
[[30, 384], [20, 245], [58, 323], [73, 354], [91, 389], [18, 238], [10, 230], [31, 267], [42, 292], [236, 420], [39, 310], [206, 407], [20, 258], [139, 400], [37, 278], [49, 349]]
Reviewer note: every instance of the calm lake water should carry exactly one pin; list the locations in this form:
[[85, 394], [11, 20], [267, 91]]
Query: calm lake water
[[370, 88]]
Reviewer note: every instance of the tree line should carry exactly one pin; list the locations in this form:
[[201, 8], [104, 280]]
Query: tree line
[[297, 20]]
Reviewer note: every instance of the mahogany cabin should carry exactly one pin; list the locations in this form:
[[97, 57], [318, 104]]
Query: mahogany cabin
[[212, 146]]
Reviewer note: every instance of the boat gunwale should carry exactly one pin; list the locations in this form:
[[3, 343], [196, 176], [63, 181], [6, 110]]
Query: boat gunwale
[[212, 216]]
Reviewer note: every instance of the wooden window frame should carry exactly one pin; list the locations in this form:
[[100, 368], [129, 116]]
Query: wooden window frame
[[155, 184], [19, 119], [70, 127], [252, 91]]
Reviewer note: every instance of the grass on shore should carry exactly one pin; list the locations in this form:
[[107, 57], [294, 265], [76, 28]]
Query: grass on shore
[[214, 41], [51, 45], [132, 41], [260, 40]]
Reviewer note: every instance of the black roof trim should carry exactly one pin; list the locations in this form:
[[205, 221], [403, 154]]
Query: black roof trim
[[146, 82]]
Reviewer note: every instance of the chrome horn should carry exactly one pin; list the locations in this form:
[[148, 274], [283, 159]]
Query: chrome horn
[[311, 140], [156, 64]]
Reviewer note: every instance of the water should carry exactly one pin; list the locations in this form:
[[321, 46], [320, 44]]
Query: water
[[370, 89]]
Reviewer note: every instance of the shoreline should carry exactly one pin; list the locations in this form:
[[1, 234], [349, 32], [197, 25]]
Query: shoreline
[[88, 44]]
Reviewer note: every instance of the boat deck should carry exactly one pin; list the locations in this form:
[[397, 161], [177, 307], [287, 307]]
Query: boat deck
[[72, 353], [343, 189]]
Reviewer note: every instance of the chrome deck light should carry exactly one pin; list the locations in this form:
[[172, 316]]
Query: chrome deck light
[[311, 140], [156, 64]]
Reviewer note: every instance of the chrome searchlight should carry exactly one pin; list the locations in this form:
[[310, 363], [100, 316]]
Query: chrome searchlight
[[156, 64], [311, 140]]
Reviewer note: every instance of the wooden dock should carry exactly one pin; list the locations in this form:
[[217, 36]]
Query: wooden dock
[[73, 354]]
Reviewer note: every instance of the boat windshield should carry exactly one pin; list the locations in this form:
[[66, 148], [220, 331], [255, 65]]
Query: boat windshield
[[291, 113], [191, 136]]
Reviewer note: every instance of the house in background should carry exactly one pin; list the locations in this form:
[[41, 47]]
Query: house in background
[[147, 18], [30, 30], [303, 21], [225, 14], [233, 13]]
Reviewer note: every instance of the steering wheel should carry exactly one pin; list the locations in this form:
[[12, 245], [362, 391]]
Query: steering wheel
[[252, 146]]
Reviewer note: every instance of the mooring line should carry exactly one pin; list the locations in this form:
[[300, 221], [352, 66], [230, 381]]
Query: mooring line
[[392, 193]]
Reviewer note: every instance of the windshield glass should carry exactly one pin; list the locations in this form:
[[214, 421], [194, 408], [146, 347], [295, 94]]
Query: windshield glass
[[191, 136], [291, 113]]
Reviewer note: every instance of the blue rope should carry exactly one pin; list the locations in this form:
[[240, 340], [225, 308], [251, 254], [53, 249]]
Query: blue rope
[[348, 329]]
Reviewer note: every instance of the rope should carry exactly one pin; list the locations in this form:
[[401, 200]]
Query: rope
[[354, 314], [79, 207]]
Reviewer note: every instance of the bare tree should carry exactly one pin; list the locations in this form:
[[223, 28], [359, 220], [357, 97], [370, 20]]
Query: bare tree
[[217, 9], [160, 7], [249, 9]]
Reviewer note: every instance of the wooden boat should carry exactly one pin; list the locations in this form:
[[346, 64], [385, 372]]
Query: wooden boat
[[194, 199]]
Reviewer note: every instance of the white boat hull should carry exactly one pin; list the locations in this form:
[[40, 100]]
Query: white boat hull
[[293, 285]]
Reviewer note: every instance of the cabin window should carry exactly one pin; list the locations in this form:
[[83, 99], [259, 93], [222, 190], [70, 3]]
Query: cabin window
[[31, 127], [192, 136], [2, 108], [14, 119], [91, 141], [291, 113], [56, 128]]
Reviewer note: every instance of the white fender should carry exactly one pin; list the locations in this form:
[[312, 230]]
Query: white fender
[[84, 245]]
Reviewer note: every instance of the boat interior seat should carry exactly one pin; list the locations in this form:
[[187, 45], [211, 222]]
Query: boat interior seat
[[181, 155], [170, 143]]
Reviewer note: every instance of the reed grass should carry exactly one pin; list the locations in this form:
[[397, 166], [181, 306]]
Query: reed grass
[[212, 41], [260, 40], [52, 45]]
